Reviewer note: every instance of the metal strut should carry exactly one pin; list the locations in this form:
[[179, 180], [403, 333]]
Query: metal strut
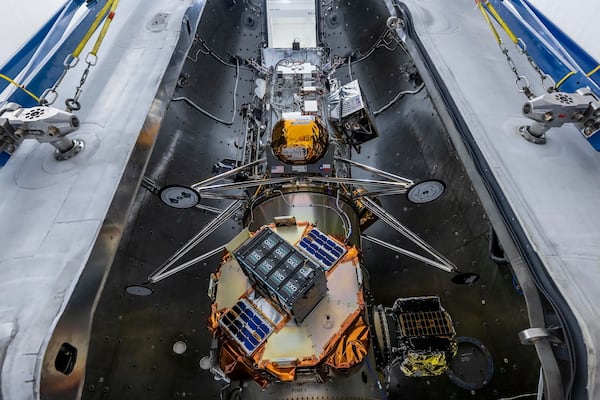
[[227, 174], [408, 253], [163, 271], [386, 217], [376, 171]]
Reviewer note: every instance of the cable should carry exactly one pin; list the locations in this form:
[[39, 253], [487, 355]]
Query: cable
[[395, 99], [337, 203], [203, 111], [521, 396], [22, 87], [374, 374], [350, 68], [222, 390]]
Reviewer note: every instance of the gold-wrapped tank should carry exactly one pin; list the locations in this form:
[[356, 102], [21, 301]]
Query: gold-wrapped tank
[[299, 140]]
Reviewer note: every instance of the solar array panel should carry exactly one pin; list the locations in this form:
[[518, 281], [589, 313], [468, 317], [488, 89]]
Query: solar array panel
[[321, 248], [246, 325]]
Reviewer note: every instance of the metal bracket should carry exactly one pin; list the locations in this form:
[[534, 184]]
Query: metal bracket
[[536, 335], [44, 124], [550, 110]]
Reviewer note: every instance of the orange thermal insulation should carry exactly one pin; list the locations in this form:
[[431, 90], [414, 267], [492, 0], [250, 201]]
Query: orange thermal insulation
[[352, 346]]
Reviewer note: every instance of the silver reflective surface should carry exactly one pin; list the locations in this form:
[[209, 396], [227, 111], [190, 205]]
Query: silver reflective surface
[[331, 215]]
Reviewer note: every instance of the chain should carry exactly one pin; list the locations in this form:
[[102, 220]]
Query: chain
[[50, 95], [543, 76], [521, 82], [73, 103]]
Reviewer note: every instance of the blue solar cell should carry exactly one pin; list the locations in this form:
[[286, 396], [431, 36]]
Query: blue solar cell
[[246, 325], [253, 340], [252, 325], [313, 233], [246, 332]]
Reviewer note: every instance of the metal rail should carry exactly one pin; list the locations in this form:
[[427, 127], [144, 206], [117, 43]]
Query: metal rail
[[213, 225], [408, 253], [376, 171], [227, 174], [386, 217]]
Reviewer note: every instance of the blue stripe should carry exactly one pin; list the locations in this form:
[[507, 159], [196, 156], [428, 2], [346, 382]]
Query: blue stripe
[[22, 56], [4, 156], [581, 57], [52, 69]]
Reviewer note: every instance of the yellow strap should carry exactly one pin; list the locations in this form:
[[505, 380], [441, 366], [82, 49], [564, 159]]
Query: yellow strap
[[6, 78], [567, 76], [487, 18], [592, 72], [92, 28], [109, 19], [503, 24]]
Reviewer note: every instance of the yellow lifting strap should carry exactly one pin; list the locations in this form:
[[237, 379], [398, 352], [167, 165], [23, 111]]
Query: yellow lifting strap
[[513, 38], [107, 23], [489, 21], [101, 14], [22, 87], [486, 5]]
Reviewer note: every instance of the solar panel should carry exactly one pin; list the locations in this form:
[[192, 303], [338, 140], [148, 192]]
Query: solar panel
[[244, 324], [321, 248]]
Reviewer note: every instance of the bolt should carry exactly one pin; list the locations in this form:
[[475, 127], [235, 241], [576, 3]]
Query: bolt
[[53, 131]]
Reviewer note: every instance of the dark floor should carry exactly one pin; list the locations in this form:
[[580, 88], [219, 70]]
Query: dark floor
[[131, 353]]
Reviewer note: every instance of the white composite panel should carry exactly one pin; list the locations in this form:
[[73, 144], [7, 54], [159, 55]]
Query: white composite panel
[[51, 212], [291, 20], [554, 189]]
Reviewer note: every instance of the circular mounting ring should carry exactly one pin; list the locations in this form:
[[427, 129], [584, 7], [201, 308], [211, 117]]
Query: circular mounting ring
[[78, 145], [178, 196], [426, 191], [472, 368]]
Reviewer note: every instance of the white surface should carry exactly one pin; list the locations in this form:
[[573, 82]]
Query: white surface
[[577, 18], [290, 21], [21, 20], [51, 212], [554, 189]]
